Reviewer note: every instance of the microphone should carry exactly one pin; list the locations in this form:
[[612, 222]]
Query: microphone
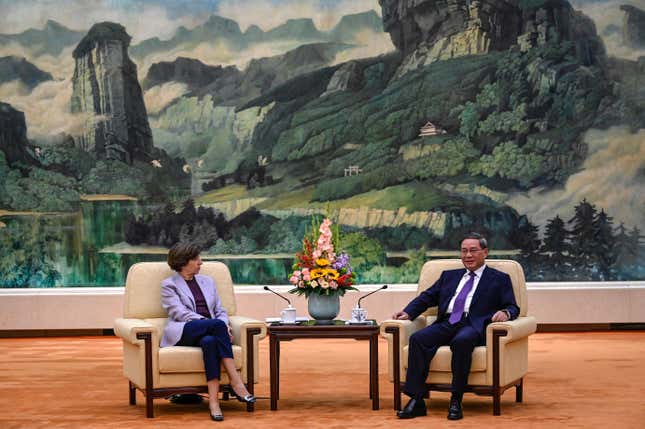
[[365, 296], [270, 290]]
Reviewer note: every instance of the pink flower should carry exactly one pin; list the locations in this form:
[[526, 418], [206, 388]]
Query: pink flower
[[333, 284], [324, 246], [306, 275], [294, 280]]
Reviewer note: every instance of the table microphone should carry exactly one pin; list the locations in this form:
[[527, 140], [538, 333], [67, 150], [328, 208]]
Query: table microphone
[[270, 290], [365, 296]]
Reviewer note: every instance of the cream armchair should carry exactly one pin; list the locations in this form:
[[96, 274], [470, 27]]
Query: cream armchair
[[160, 372], [501, 364]]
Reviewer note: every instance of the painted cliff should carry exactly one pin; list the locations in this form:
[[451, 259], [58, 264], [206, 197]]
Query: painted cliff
[[105, 84], [633, 26], [13, 136], [431, 30]]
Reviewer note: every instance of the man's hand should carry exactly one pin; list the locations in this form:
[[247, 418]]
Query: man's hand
[[401, 315], [230, 333], [500, 316]]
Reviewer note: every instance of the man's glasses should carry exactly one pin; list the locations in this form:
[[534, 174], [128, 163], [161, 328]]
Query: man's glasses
[[471, 251]]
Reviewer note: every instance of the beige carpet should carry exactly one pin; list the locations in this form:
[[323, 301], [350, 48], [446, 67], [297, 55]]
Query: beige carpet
[[576, 380]]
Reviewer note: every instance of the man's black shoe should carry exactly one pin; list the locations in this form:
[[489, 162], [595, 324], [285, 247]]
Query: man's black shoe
[[414, 408], [454, 411]]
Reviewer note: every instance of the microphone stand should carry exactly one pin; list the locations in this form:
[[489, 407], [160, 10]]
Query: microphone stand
[[272, 291], [365, 296]]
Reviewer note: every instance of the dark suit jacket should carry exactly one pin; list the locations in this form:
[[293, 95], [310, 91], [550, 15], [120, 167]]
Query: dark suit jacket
[[494, 292]]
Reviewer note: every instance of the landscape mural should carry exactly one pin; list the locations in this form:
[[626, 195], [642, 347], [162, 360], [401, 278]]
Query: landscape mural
[[129, 125]]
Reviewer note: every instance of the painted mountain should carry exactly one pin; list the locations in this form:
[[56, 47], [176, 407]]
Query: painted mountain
[[520, 119], [51, 39]]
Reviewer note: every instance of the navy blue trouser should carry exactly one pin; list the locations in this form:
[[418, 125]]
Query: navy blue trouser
[[212, 336], [462, 339]]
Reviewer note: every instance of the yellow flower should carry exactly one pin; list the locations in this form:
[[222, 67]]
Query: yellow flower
[[317, 272], [322, 262], [331, 274]]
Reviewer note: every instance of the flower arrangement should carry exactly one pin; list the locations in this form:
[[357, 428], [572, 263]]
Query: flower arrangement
[[318, 270]]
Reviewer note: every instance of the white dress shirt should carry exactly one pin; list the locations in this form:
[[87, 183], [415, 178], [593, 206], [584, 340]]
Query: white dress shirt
[[469, 297]]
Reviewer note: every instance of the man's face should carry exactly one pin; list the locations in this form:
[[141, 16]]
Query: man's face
[[472, 254]]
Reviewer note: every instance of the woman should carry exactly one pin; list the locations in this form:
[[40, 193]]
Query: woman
[[196, 318]]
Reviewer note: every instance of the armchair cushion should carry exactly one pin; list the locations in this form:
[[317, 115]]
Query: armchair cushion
[[144, 282], [431, 271], [180, 359], [441, 361]]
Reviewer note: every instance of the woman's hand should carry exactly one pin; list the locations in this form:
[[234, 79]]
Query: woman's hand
[[230, 333]]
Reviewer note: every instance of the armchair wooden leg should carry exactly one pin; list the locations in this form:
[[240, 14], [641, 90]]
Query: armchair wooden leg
[[147, 340], [250, 364], [497, 403], [133, 393], [396, 365], [519, 391], [149, 410], [497, 391]]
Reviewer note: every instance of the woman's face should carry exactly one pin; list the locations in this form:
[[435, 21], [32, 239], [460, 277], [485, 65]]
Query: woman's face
[[192, 267]]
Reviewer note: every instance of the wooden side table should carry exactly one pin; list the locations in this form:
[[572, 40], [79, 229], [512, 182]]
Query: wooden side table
[[278, 332]]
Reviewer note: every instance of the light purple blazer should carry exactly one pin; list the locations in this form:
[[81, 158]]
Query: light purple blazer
[[178, 301]]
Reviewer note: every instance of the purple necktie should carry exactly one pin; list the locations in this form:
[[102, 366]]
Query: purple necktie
[[460, 302]]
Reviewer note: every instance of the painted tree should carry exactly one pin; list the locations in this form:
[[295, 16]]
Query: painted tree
[[527, 239], [626, 251], [637, 240], [603, 245], [555, 247], [583, 238]]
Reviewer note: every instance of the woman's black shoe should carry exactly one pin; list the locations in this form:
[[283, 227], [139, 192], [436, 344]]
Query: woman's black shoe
[[248, 399]]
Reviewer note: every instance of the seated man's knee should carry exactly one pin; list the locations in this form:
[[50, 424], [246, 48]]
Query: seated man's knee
[[461, 343], [418, 339]]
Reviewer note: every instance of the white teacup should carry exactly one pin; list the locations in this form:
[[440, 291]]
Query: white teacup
[[359, 314], [288, 315]]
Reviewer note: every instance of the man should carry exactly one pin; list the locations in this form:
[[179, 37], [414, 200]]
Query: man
[[468, 300]]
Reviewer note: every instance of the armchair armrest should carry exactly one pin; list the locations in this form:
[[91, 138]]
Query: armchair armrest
[[397, 333], [515, 330], [406, 329], [128, 329], [239, 326], [403, 329], [247, 333], [507, 352]]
